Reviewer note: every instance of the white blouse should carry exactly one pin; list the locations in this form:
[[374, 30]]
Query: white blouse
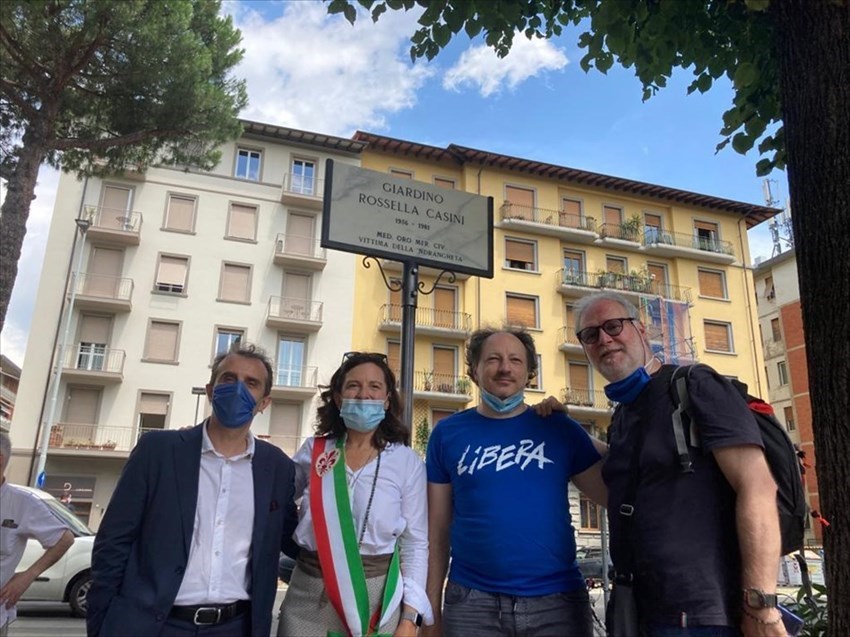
[[399, 513]]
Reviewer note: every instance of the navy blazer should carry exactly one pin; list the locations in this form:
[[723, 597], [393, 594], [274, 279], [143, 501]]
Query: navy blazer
[[142, 546]]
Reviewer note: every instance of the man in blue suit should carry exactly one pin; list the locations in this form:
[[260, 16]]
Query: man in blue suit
[[190, 542]]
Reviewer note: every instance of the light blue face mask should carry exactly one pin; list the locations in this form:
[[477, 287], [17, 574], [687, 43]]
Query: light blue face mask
[[626, 390], [362, 415], [502, 405]]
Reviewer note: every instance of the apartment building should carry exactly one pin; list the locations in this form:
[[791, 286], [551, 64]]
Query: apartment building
[[561, 234], [10, 376], [780, 321], [173, 266]]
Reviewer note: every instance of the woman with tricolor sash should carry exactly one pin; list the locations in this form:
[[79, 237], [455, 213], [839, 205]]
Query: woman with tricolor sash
[[363, 519]]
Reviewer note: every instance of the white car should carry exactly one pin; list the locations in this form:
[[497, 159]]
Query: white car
[[69, 579]]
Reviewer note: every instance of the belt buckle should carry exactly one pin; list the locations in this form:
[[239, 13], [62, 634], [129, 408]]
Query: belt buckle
[[198, 620]]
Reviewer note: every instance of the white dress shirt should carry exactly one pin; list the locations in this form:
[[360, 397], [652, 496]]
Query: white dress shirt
[[22, 516], [219, 567], [399, 513]]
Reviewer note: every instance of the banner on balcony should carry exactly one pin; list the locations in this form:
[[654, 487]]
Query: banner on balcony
[[376, 214]]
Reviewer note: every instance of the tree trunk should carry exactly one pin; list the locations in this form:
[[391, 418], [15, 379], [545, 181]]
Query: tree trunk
[[813, 41], [16, 207]]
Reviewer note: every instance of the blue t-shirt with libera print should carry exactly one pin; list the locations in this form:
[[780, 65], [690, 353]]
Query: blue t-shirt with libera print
[[511, 530]]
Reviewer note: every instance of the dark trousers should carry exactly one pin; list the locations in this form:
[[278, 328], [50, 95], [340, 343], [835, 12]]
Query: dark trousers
[[236, 627]]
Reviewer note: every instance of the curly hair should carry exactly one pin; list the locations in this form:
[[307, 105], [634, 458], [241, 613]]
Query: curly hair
[[476, 343], [329, 422]]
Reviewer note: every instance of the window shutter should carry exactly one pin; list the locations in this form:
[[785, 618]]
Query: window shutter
[[717, 337], [285, 420], [571, 207], [234, 282], [711, 283], [394, 357], [519, 251], [613, 264], [162, 341], [444, 366], [181, 213], [444, 183], [651, 220], [95, 329], [521, 311], [299, 234], [172, 270], [522, 202], [155, 404], [243, 222], [612, 215], [579, 377], [82, 405]]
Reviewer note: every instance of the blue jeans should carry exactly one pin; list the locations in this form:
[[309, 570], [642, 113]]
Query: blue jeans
[[664, 630], [468, 612]]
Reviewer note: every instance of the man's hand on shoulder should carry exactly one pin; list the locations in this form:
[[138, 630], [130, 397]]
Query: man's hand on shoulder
[[548, 406]]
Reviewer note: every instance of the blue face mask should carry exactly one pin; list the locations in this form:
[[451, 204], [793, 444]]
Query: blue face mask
[[502, 405], [362, 415], [233, 405], [626, 390]]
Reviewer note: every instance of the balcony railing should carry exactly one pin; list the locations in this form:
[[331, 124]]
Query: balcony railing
[[118, 219], [773, 348], [291, 245], [429, 317], [296, 376], [442, 383], [568, 336], [592, 398], [106, 287], [94, 437], [634, 283], [287, 308], [654, 237], [94, 357], [622, 231], [546, 216], [303, 186]]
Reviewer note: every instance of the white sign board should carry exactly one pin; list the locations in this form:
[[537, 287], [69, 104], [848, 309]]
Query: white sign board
[[376, 214]]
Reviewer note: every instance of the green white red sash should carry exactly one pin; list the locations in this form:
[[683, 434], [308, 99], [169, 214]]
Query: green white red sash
[[337, 546]]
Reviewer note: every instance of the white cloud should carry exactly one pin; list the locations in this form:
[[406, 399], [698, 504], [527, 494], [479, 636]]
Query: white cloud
[[480, 67], [13, 340], [306, 69]]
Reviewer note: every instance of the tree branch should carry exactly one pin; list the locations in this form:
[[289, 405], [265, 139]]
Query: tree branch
[[11, 92], [111, 142]]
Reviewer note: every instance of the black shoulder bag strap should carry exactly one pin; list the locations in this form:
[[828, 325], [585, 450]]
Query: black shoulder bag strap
[[626, 545]]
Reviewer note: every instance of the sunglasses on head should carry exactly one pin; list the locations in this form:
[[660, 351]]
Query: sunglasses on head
[[612, 327], [365, 357]]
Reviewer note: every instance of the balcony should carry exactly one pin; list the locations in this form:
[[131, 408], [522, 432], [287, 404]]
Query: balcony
[[114, 226], [288, 444], [429, 321], [550, 222], [93, 363], [772, 349], [577, 283], [424, 271], [568, 341], [93, 439], [620, 235], [586, 402], [302, 252], [297, 316], [677, 244], [101, 292], [442, 388], [295, 382], [301, 190]]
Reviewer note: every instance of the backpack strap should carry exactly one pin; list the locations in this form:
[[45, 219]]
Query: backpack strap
[[679, 381]]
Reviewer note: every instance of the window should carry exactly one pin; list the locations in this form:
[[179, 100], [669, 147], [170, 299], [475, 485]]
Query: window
[[153, 411], [612, 215], [767, 376], [180, 214], [658, 280], [782, 368], [712, 283], [775, 330], [93, 338], [90, 356], [616, 265], [573, 267], [401, 174], [718, 336], [114, 211], [536, 383], [162, 342], [652, 222], [521, 310], [706, 236], [284, 426], [444, 183], [226, 337], [303, 177], [300, 234], [171, 274], [521, 202], [578, 391], [789, 418], [394, 358], [235, 283], [290, 362], [295, 296], [769, 290], [444, 369], [571, 213], [589, 513], [242, 222], [248, 164], [445, 308], [520, 255]]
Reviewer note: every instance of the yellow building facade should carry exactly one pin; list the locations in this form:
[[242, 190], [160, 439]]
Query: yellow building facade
[[560, 234]]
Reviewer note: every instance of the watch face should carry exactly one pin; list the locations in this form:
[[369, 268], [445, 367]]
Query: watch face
[[755, 598]]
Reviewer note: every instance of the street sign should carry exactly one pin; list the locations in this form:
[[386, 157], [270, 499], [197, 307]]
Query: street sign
[[375, 214]]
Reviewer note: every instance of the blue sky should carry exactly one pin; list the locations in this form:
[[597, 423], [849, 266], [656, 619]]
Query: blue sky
[[305, 69]]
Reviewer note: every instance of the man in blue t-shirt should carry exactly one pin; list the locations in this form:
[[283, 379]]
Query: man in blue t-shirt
[[498, 479]]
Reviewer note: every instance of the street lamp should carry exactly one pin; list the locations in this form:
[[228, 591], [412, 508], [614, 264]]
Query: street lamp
[[198, 391], [83, 225]]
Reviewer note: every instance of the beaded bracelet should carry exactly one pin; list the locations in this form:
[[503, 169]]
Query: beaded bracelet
[[760, 620]]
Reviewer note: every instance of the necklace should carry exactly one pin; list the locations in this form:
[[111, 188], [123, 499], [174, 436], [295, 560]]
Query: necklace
[[353, 476], [369, 504]]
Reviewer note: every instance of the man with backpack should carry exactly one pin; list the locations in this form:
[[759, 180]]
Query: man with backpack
[[695, 543]]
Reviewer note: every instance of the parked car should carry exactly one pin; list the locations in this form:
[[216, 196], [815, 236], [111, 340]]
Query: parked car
[[68, 580], [590, 562]]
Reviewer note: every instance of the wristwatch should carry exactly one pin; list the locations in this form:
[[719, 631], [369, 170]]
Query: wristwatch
[[415, 617], [757, 598]]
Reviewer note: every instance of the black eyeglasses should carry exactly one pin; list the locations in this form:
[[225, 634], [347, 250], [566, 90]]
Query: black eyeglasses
[[365, 356], [612, 327]]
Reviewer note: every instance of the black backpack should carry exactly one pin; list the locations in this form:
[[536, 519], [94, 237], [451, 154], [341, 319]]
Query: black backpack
[[782, 456]]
